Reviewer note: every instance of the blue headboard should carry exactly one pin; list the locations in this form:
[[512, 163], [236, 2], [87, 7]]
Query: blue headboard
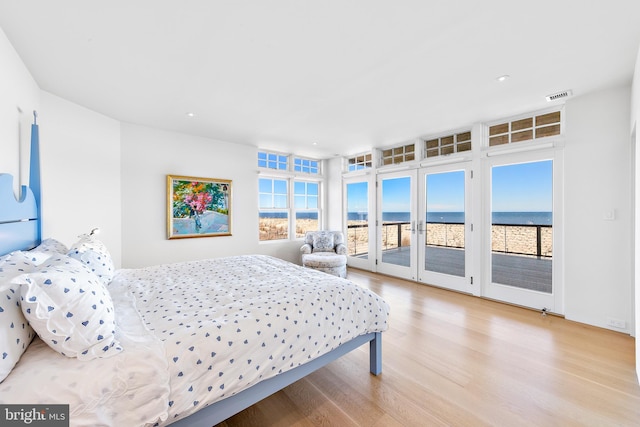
[[20, 220]]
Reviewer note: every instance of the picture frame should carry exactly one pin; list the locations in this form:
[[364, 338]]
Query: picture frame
[[198, 207]]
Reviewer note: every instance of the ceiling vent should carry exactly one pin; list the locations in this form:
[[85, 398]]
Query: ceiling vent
[[559, 95]]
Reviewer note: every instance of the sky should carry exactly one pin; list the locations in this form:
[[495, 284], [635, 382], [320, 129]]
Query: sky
[[396, 194], [524, 187], [357, 197], [445, 192]]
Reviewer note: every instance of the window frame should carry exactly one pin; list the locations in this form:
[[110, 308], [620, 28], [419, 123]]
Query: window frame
[[398, 154], [295, 210], [359, 162], [311, 168], [274, 209], [457, 146], [508, 122], [277, 158], [291, 177]]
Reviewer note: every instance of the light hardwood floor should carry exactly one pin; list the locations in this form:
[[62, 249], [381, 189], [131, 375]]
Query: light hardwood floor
[[456, 360]]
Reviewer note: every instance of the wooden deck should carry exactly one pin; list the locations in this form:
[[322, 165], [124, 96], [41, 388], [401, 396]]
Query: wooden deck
[[526, 272]]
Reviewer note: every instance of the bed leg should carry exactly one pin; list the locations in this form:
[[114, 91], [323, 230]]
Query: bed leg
[[375, 354]]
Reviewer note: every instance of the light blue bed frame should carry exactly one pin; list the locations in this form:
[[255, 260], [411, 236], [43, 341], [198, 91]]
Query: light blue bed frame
[[20, 224], [21, 229]]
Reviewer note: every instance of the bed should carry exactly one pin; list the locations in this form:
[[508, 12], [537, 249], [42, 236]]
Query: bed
[[186, 344]]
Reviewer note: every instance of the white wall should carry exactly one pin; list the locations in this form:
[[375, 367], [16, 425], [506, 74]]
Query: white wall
[[334, 194], [597, 179], [635, 121], [80, 156], [635, 94], [148, 156], [18, 92]]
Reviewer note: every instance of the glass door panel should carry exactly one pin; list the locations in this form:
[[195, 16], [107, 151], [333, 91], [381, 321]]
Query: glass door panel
[[522, 233], [444, 238], [357, 234], [521, 224], [396, 224]]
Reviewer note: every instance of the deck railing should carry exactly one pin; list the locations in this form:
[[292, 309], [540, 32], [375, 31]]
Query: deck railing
[[530, 240], [534, 240]]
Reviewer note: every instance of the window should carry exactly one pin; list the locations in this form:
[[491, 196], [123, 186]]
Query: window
[[288, 202], [273, 161], [525, 129], [273, 209], [449, 144], [359, 162], [305, 201], [404, 153], [306, 166]]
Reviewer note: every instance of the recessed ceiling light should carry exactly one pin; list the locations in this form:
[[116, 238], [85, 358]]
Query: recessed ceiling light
[[314, 143], [503, 78], [191, 114]]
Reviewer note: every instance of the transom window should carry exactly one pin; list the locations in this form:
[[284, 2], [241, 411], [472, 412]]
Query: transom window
[[306, 166], [527, 129], [449, 144], [273, 161], [360, 162], [401, 154]]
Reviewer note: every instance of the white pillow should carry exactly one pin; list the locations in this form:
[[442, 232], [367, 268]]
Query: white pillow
[[93, 254], [323, 242], [16, 333], [51, 245], [69, 308]]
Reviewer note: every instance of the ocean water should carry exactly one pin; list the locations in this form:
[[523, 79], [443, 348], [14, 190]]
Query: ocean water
[[509, 218], [273, 215], [299, 215], [526, 218]]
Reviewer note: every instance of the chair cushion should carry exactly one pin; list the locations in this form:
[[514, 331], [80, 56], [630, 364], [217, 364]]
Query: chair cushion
[[323, 260], [323, 242]]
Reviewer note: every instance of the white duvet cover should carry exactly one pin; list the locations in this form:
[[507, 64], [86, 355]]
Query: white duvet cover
[[229, 323], [196, 332], [130, 389]]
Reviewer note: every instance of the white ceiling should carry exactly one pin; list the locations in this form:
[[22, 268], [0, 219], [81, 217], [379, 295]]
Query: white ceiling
[[347, 75]]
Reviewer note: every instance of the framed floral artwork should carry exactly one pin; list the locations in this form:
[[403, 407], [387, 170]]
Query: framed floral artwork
[[198, 207]]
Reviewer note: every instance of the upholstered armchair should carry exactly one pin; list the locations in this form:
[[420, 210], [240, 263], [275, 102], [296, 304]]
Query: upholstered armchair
[[325, 251]]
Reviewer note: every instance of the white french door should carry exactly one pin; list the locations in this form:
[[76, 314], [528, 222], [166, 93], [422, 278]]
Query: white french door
[[423, 231], [396, 219], [445, 234], [522, 251], [359, 202]]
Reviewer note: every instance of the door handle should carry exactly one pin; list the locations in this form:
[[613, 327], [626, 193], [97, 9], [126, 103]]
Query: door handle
[[420, 230]]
